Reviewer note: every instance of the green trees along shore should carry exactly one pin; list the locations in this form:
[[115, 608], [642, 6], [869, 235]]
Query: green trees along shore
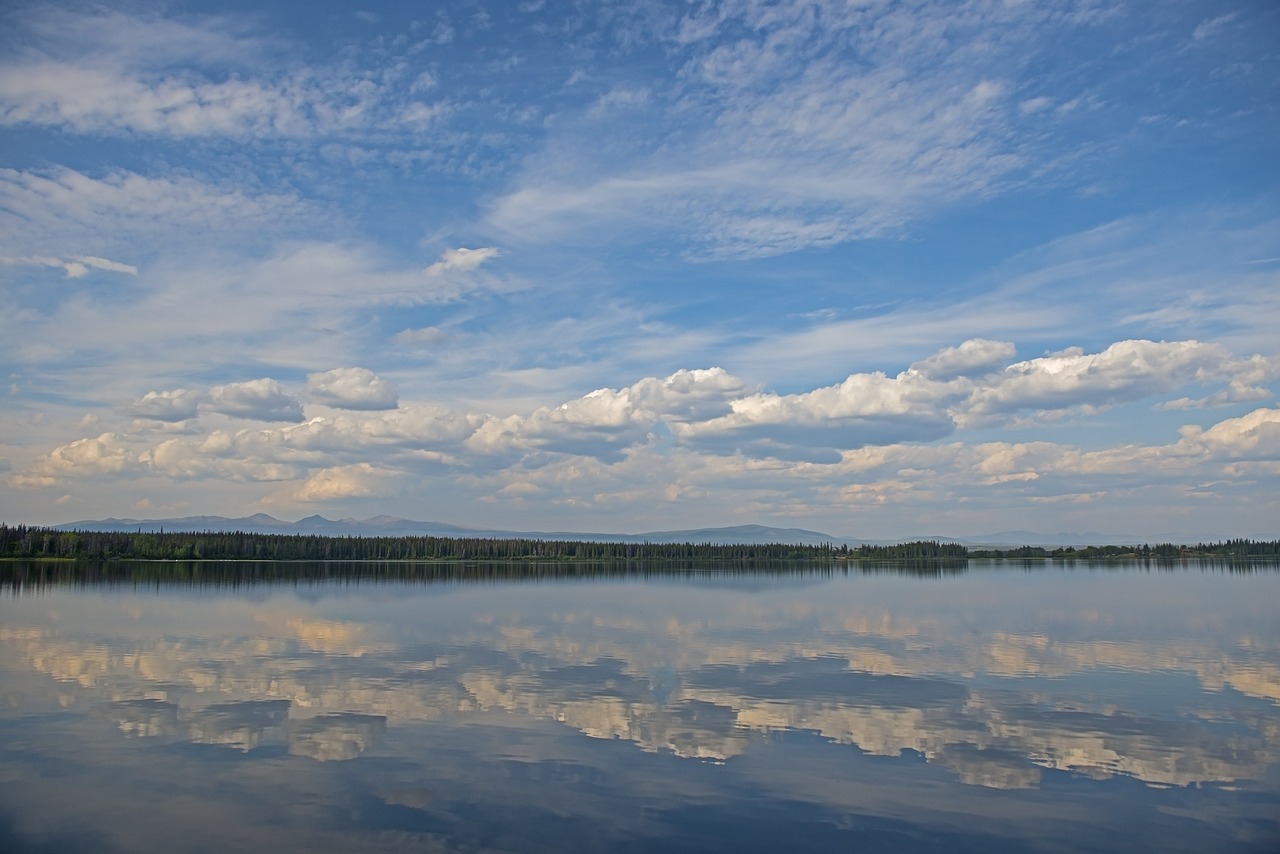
[[21, 541]]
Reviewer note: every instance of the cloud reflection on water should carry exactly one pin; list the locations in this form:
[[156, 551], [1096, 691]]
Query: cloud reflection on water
[[996, 706], [561, 715]]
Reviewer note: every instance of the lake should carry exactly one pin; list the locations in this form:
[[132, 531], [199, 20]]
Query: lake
[[1011, 707]]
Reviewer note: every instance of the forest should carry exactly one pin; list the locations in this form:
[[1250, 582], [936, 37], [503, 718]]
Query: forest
[[21, 541], [33, 542], [1236, 548]]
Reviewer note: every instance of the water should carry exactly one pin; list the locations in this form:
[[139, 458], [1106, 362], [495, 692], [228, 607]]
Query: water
[[1000, 708]]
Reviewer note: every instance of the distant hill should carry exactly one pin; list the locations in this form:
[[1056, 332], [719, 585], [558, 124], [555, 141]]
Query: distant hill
[[390, 526], [1013, 539], [261, 523], [735, 535]]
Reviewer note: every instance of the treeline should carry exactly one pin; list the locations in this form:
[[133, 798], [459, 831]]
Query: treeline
[[22, 541], [34, 542], [1160, 551]]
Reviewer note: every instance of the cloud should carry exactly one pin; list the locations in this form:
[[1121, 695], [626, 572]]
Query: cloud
[[106, 264], [352, 388], [460, 261], [606, 420], [693, 436], [689, 395], [976, 356], [111, 72], [1255, 436], [76, 267], [215, 458], [712, 411], [140, 40], [360, 480], [299, 306], [176, 405], [1236, 392], [1246, 446], [105, 454], [58, 206], [785, 128], [958, 386], [420, 116], [865, 409], [323, 273], [1211, 26], [425, 335], [87, 99], [1123, 372], [1035, 105], [415, 439], [620, 98], [263, 400]]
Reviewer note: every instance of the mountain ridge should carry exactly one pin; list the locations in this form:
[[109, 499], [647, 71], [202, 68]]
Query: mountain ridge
[[392, 526]]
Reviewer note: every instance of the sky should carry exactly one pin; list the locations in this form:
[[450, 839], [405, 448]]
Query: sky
[[879, 269]]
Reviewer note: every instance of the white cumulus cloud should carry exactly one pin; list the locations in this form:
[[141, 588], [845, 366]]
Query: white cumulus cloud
[[352, 388], [176, 405], [360, 480], [105, 454], [974, 357], [1254, 436], [1123, 372], [262, 400]]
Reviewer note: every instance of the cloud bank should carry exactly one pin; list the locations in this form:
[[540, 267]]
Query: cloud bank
[[870, 440]]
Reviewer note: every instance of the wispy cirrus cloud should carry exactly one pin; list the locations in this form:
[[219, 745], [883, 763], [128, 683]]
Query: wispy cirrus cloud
[[75, 267], [58, 209], [461, 260], [117, 73], [810, 127], [297, 306], [87, 100]]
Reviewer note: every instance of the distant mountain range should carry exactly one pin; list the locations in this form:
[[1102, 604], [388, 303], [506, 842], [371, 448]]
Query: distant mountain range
[[391, 526]]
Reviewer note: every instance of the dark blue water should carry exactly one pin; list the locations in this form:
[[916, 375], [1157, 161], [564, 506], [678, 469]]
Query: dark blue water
[[1059, 709]]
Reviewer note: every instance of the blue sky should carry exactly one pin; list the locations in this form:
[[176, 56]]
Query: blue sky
[[875, 268]]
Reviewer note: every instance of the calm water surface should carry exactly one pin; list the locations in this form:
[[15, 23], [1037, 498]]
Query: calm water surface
[[1057, 709]]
